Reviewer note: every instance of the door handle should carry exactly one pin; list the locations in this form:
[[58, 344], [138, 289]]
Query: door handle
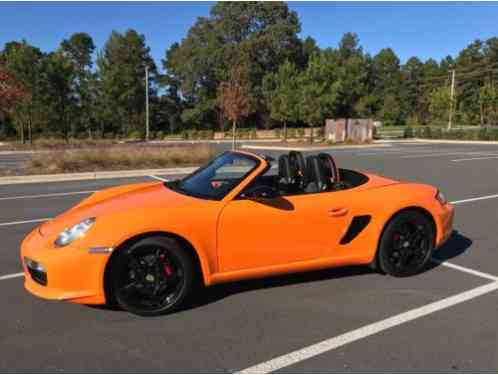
[[338, 212]]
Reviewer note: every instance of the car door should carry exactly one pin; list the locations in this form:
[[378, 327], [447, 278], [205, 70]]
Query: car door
[[254, 233]]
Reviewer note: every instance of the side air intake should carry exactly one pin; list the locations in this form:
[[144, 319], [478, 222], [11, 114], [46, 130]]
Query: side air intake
[[357, 225]]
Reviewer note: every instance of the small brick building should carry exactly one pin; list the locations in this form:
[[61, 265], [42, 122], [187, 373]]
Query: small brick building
[[341, 130]]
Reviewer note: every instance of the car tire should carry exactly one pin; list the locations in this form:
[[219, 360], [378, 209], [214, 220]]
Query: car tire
[[406, 244], [153, 276]]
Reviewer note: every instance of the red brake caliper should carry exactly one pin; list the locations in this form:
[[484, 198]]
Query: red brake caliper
[[168, 271]]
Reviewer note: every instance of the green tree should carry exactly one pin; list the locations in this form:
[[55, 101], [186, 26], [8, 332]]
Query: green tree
[[470, 59], [60, 73], [281, 93], [353, 73], [121, 84], [387, 86], [439, 105], [488, 100], [79, 48], [265, 33], [318, 90]]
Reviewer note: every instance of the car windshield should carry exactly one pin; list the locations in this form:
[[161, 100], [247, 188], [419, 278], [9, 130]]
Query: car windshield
[[217, 178]]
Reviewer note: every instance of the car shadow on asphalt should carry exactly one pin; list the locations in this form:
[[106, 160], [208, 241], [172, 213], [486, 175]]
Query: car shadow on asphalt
[[456, 245], [204, 296]]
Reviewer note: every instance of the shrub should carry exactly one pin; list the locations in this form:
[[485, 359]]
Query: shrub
[[279, 133], [437, 133], [135, 134], [427, 132], [408, 132], [205, 134], [291, 132]]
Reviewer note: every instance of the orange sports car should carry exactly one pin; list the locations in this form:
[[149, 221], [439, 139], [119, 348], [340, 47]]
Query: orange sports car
[[241, 216]]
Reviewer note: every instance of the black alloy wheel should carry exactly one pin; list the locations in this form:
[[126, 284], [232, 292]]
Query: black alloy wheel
[[406, 245], [152, 277]]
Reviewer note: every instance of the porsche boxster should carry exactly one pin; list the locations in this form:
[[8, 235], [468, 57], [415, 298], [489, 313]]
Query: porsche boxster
[[243, 215]]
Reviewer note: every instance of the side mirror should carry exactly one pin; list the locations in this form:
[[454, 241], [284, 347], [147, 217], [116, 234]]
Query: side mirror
[[260, 192]]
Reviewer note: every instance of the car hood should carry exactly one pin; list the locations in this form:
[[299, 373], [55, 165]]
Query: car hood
[[116, 200]]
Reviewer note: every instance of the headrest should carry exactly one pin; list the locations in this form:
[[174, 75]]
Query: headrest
[[315, 172], [298, 166], [284, 170], [330, 167]]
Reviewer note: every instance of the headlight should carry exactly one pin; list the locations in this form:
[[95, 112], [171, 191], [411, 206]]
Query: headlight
[[441, 198], [76, 231]]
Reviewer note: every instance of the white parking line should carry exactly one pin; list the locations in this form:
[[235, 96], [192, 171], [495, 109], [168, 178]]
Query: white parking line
[[394, 151], [368, 330], [475, 199], [12, 276], [24, 222], [483, 158], [159, 178], [466, 270], [47, 195], [433, 154]]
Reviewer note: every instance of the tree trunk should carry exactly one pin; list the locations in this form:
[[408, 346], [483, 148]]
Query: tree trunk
[[30, 120], [285, 130], [30, 138], [233, 134], [311, 134], [481, 112], [22, 132]]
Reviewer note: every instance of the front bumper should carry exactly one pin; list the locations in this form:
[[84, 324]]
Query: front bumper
[[71, 273], [444, 223]]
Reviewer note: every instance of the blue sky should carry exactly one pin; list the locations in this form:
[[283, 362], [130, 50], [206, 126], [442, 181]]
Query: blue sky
[[422, 29]]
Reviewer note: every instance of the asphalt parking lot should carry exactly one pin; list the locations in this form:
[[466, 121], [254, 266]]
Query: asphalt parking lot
[[341, 320]]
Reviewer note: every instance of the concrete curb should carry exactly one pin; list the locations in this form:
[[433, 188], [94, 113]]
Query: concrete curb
[[8, 180], [19, 152], [455, 141], [314, 148]]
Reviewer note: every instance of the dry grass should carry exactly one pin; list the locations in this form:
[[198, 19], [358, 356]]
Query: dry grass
[[118, 158], [55, 144]]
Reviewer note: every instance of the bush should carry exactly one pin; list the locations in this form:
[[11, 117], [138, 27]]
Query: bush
[[205, 134], [135, 134], [291, 133], [279, 133], [437, 133], [190, 134], [426, 132], [408, 132]]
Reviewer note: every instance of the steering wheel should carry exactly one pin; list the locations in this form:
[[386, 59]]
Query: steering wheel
[[262, 192]]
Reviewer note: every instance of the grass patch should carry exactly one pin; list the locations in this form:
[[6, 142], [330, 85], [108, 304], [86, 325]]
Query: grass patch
[[118, 158]]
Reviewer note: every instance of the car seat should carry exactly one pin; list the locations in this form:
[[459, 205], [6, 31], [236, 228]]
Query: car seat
[[316, 180], [284, 174], [330, 169], [298, 171]]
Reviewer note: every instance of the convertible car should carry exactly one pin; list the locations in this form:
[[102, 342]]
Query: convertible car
[[145, 246]]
